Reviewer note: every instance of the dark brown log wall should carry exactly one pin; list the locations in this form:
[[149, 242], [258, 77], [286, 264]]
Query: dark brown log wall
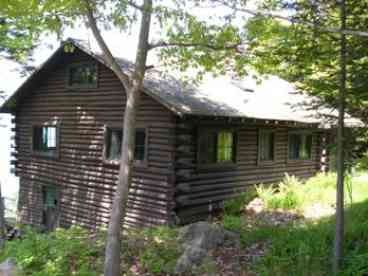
[[199, 191], [86, 182]]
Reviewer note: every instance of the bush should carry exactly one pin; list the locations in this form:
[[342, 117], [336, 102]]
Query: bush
[[234, 206], [285, 195], [232, 223], [160, 250], [63, 252]]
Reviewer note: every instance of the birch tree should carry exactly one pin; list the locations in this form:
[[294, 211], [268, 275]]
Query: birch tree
[[180, 37]]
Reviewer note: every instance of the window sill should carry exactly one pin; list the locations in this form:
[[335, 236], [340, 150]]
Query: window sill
[[300, 160], [136, 164], [216, 166], [45, 154], [266, 163]]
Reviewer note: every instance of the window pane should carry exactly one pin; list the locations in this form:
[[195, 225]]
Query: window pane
[[207, 146], [307, 147], [225, 143], [51, 137], [114, 144], [140, 144], [114, 139], [266, 146], [83, 75], [294, 146], [44, 138]]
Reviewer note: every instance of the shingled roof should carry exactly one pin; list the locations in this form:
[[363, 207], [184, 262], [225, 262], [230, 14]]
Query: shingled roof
[[272, 99]]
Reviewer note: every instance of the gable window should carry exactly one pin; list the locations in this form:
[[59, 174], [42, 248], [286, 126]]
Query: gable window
[[114, 138], [300, 146], [266, 145], [216, 147], [44, 140], [82, 75]]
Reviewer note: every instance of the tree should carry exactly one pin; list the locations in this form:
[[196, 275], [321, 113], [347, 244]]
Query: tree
[[183, 40], [317, 51]]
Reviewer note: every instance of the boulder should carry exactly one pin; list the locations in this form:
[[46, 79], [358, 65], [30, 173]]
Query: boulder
[[8, 268], [198, 239]]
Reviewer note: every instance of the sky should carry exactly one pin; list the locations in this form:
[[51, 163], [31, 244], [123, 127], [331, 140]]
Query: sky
[[10, 79]]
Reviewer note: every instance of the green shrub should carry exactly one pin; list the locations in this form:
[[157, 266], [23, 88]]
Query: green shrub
[[235, 205], [285, 195], [63, 252], [232, 223], [160, 250], [362, 163]]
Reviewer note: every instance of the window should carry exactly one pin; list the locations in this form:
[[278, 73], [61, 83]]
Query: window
[[82, 75], [114, 138], [216, 147], [266, 145], [45, 140], [300, 146]]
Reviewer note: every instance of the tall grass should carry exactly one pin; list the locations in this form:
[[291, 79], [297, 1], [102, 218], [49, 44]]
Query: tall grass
[[292, 193]]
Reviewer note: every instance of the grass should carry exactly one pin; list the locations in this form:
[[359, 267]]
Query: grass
[[295, 195], [305, 248], [300, 248]]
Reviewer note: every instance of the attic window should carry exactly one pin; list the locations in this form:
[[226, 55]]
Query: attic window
[[83, 75]]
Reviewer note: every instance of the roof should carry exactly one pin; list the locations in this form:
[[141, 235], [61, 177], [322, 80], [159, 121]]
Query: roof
[[272, 99]]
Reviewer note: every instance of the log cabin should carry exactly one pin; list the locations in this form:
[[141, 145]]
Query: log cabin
[[196, 146]]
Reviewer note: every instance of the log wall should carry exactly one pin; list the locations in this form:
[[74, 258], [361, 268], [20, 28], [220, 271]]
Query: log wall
[[202, 191], [86, 182]]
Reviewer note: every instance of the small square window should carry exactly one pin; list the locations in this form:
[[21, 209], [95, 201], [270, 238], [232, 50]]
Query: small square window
[[45, 139], [82, 75], [266, 143], [300, 146], [216, 147], [114, 138]]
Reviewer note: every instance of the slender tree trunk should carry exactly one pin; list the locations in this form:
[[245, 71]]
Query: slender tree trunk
[[113, 244], [2, 221], [339, 235]]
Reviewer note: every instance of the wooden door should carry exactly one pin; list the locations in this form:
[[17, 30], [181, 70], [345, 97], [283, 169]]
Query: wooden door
[[50, 214]]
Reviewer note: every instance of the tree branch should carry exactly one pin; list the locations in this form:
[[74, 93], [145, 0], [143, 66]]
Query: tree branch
[[294, 20], [162, 44], [108, 57], [134, 5]]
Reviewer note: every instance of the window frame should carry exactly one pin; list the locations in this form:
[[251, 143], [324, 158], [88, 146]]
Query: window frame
[[303, 133], [139, 163], [46, 154], [260, 132], [76, 65], [201, 130]]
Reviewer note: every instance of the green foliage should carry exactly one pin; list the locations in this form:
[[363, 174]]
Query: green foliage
[[291, 193], [306, 249], [235, 206], [156, 249], [232, 223], [307, 56], [63, 252], [362, 162], [285, 195]]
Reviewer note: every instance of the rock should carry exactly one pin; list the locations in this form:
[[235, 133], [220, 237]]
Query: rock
[[198, 239], [255, 206], [8, 268]]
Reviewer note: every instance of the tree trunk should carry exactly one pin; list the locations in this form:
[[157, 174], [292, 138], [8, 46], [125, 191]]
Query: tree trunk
[[339, 235], [113, 243], [2, 221]]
